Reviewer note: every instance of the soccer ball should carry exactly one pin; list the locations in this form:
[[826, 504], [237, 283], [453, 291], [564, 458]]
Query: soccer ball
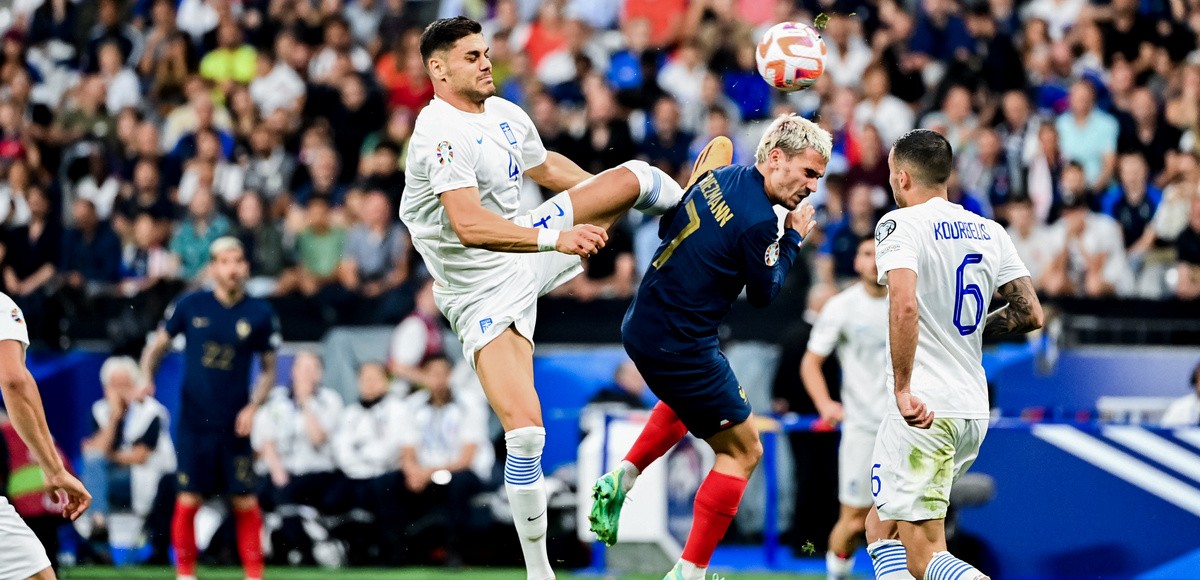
[[791, 56]]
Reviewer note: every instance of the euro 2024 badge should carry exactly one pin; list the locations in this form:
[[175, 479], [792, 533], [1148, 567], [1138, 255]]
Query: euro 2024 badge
[[445, 153]]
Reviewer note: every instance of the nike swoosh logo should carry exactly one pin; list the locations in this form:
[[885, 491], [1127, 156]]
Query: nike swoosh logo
[[479, 140], [560, 209], [537, 516], [880, 506]]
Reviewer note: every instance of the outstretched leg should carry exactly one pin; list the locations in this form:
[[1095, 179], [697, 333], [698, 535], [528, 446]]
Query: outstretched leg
[[603, 199], [887, 553]]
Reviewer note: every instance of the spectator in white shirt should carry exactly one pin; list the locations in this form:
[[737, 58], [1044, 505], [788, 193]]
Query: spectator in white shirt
[[277, 85], [418, 337], [445, 456], [848, 54], [1087, 254], [293, 432], [1028, 235], [121, 83], [366, 448], [1185, 411], [890, 115], [337, 42]]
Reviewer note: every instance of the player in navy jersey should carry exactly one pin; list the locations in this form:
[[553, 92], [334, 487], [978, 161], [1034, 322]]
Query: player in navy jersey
[[223, 329], [721, 238]]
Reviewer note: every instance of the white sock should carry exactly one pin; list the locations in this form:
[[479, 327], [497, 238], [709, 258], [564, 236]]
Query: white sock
[[526, 490], [691, 571], [837, 568], [944, 566], [631, 474], [890, 560], [658, 191]]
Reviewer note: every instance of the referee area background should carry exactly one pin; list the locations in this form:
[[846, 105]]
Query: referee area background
[[135, 132]]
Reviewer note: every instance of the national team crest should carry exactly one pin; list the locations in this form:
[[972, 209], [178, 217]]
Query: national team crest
[[243, 329], [508, 133], [742, 394], [772, 255], [16, 316], [445, 153], [485, 324]]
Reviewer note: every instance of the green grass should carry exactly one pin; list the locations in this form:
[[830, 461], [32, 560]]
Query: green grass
[[154, 573]]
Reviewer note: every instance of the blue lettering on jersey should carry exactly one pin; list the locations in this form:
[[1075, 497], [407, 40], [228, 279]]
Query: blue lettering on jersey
[[514, 170], [960, 230], [716, 200], [508, 133]]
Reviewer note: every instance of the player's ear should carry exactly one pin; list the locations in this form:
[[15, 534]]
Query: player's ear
[[436, 68]]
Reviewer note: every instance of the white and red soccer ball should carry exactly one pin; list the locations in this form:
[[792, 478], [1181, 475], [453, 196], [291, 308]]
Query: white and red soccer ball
[[791, 56]]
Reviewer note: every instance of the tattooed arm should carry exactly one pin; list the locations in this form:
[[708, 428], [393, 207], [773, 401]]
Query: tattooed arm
[[1022, 314]]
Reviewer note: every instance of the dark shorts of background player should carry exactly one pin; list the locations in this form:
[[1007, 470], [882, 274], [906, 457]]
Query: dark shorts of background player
[[214, 463], [700, 388]]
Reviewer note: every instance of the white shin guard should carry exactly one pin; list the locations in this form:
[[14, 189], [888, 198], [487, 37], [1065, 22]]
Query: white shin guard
[[658, 191]]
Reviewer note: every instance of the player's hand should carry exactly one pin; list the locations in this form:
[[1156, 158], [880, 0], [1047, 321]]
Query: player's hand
[[280, 478], [914, 410], [801, 219], [583, 240], [68, 490], [831, 412], [245, 420]]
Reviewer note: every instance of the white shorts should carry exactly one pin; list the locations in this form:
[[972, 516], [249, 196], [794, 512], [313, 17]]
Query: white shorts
[[479, 316], [21, 554], [913, 469], [854, 467]]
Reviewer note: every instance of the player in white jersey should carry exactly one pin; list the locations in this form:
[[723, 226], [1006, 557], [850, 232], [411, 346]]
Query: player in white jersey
[[21, 553], [942, 265], [466, 158], [855, 324]]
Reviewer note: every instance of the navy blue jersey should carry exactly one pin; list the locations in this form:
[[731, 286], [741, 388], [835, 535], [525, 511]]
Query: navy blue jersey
[[720, 239], [221, 344]]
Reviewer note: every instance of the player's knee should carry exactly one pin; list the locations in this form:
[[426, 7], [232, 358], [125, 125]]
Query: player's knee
[[525, 441], [749, 455]]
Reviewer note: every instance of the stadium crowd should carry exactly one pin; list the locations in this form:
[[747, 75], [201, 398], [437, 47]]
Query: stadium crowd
[[134, 133]]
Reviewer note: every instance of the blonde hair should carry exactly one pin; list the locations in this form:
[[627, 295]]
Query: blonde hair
[[120, 363], [224, 244], [792, 135]]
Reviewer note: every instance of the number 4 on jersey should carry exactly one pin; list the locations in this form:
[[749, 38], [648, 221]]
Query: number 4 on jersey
[[968, 290]]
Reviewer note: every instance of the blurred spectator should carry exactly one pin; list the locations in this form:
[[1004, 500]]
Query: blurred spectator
[[14, 196], [1046, 175], [1086, 256], [848, 53], [55, 20], [158, 34], [969, 200], [666, 144], [741, 83], [419, 337], [611, 273], [1187, 269], [293, 432], [718, 123], [209, 170], [1018, 132], [627, 391], [1129, 35], [870, 168], [204, 112], [982, 171], [380, 170], [994, 59], [445, 454], [109, 28], [682, 76], [322, 178], [197, 18], [338, 42], [269, 168], [318, 251], [1088, 135], [277, 85], [1172, 215], [835, 263], [1184, 411], [1132, 202], [1145, 132], [356, 115], [85, 117], [941, 36], [171, 70], [263, 243], [606, 140], [366, 447], [120, 82], [1028, 236], [363, 17], [100, 186], [1059, 15], [31, 257], [145, 194], [401, 73], [232, 61], [129, 458], [666, 17], [91, 252], [374, 263], [878, 107], [954, 120], [891, 41], [199, 229]]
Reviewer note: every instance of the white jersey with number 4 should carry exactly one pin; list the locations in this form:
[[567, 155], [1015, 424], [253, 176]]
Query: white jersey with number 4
[[960, 259], [452, 149], [855, 323]]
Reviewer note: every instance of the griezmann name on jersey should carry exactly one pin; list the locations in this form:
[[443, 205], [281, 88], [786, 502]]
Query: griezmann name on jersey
[[221, 344], [720, 239]]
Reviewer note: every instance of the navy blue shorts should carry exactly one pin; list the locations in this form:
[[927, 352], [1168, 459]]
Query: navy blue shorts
[[214, 463], [701, 389]]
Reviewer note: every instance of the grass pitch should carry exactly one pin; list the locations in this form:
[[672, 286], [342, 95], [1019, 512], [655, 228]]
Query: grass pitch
[[156, 573]]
